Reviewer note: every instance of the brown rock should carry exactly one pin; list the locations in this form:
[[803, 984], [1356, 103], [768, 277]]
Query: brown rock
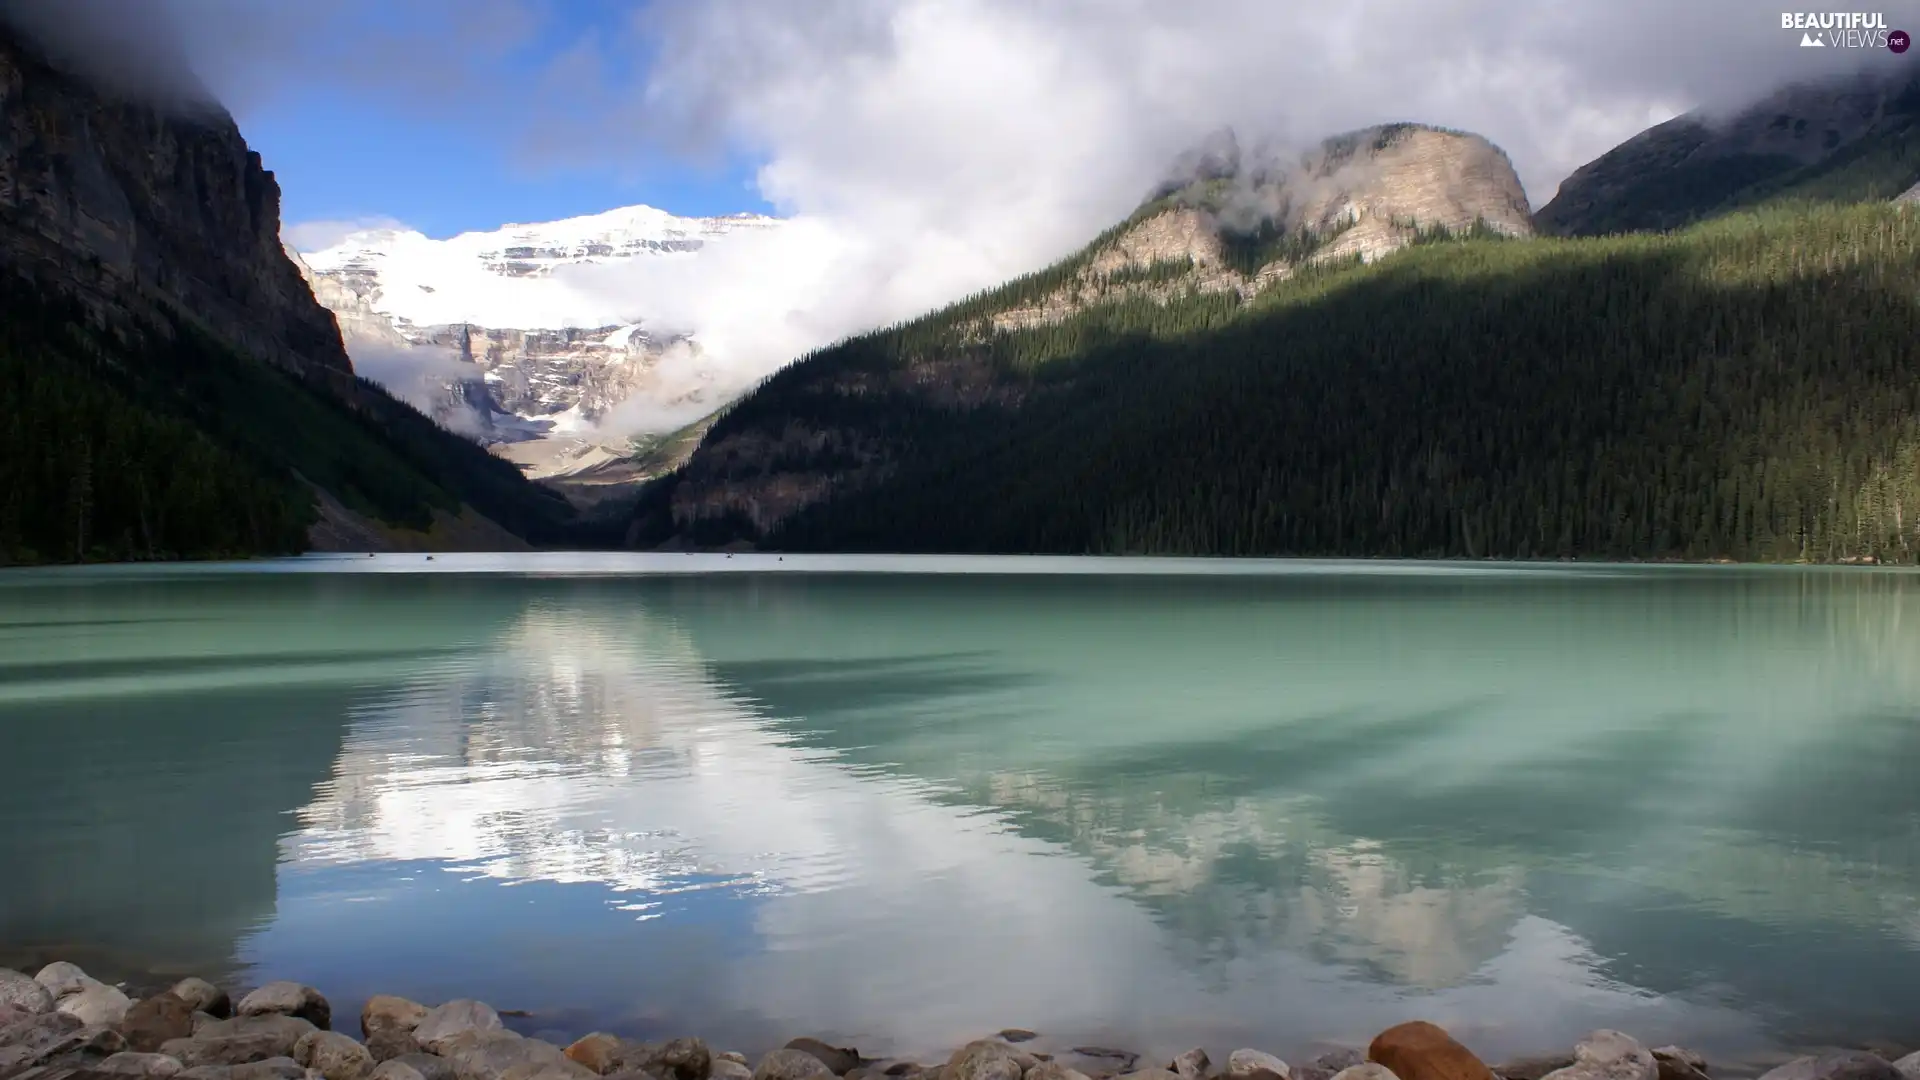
[[155, 1020], [1192, 1065], [385, 1044], [1252, 1063], [43, 1035], [729, 1069], [1017, 1035], [1053, 1070], [987, 1059], [203, 996], [385, 1012], [445, 1022], [686, 1059], [240, 1041], [333, 1055], [412, 1067], [840, 1059], [599, 1051], [1418, 1050]]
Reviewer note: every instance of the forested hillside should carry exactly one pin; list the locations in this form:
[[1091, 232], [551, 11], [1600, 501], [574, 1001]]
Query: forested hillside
[[1744, 389], [165, 443]]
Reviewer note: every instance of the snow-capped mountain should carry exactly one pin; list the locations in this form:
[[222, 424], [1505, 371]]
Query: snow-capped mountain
[[481, 330]]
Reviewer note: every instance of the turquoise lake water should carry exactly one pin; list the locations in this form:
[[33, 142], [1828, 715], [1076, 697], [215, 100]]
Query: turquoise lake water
[[904, 802]]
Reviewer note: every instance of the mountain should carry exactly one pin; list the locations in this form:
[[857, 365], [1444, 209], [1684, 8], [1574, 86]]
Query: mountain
[[1846, 139], [170, 384], [510, 348], [1377, 360]]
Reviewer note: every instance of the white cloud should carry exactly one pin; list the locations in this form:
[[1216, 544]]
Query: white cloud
[[310, 236]]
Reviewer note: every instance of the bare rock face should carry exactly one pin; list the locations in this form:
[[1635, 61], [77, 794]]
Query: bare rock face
[[128, 206]]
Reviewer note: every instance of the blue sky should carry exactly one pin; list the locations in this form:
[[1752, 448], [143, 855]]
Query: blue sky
[[456, 160]]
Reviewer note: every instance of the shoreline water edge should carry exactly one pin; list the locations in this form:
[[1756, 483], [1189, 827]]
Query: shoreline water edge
[[61, 1021]]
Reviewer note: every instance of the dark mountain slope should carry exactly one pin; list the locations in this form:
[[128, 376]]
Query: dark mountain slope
[[1845, 140], [1745, 389], [168, 385]]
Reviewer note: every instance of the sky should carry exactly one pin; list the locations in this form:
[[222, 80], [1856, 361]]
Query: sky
[[921, 149]]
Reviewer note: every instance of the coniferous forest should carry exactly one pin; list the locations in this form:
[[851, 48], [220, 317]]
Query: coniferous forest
[[160, 442], [1745, 389]]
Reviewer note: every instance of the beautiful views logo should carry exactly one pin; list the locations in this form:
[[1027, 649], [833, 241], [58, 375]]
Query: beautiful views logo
[[1844, 30]]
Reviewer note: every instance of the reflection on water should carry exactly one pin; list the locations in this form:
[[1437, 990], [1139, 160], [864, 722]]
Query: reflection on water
[[1252, 804]]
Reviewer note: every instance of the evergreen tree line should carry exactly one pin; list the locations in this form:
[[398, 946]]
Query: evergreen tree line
[[160, 442], [1746, 389]]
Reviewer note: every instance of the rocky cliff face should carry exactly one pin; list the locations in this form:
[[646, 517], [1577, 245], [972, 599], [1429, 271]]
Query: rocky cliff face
[[1365, 194], [1851, 138], [134, 209]]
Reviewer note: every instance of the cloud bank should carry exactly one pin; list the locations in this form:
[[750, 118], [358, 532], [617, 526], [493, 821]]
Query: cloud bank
[[925, 149]]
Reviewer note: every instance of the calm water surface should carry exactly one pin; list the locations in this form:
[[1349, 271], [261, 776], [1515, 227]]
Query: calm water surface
[[1263, 804]]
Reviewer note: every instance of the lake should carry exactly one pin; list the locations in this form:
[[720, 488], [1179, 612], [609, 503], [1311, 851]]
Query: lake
[[904, 802]]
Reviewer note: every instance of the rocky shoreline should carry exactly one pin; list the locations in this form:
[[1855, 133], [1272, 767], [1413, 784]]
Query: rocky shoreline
[[61, 1019]]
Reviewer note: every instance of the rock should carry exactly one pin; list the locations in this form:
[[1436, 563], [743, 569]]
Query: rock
[[103, 1042], [387, 1043], [1418, 1050], [491, 1054], [599, 1051], [153, 1066], [547, 1070], [1908, 1066], [28, 1042], [1532, 1068], [61, 978], [1843, 1065], [203, 996], [201, 1019], [152, 1021], [1608, 1055], [734, 1056], [725, 1068], [412, 1067], [1248, 1063], [206, 1072], [22, 992], [986, 1059], [97, 1005], [1335, 1061], [1191, 1065], [1366, 1070], [1016, 1035], [453, 1019], [1053, 1070], [276, 1068], [333, 1055], [1152, 1074], [1674, 1063], [841, 1060], [790, 1064], [289, 999], [242, 1040], [385, 1012], [689, 1059]]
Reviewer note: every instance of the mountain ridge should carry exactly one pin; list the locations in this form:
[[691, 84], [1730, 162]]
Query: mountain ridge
[[173, 387]]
